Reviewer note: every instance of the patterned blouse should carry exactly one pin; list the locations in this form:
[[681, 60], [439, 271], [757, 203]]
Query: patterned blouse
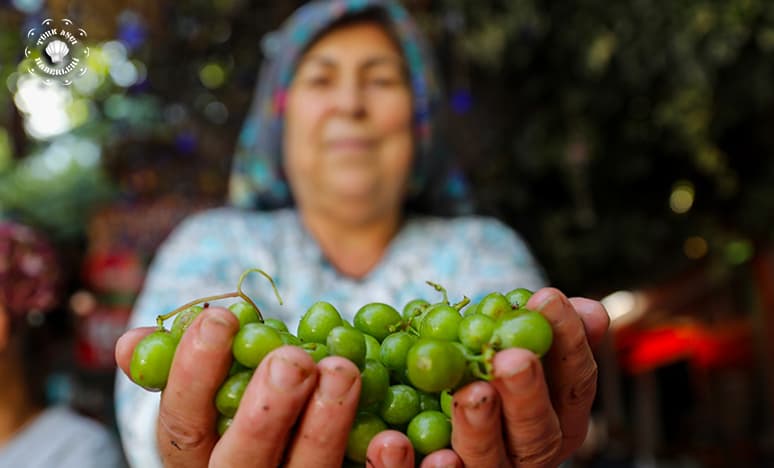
[[471, 256]]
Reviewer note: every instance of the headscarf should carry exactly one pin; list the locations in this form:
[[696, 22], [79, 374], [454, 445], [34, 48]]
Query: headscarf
[[29, 271], [258, 180]]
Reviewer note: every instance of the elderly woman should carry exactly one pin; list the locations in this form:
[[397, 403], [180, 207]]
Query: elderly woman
[[340, 145], [30, 434]]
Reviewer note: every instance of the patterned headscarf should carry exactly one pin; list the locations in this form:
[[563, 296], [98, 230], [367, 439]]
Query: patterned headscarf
[[29, 272], [258, 180]]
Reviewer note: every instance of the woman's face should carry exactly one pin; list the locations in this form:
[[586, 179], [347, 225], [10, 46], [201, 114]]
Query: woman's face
[[348, 141]]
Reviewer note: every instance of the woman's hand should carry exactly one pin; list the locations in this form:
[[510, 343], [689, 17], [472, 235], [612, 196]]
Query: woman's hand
[[293, 412], [531, 415], [299, 414]]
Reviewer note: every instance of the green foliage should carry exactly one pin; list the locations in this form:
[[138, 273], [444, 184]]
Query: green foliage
[[593, 111]]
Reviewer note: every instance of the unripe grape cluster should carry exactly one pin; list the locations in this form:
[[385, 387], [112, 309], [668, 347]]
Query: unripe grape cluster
[[410, 362]]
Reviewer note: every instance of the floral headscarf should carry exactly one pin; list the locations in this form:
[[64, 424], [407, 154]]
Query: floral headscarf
[[257, 179], [29, 272]]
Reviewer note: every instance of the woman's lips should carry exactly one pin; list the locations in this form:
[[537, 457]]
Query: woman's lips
[[350, 144]]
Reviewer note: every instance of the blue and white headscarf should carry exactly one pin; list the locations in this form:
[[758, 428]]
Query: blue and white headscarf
[[258, 179]]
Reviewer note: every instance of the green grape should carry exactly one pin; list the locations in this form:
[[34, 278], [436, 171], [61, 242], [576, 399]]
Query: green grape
[[276, 324], [414, 308], [318, 351], [429, 431], [475, 330], [446, 400], [317, 322], [523, 329], [230, 393], [236, 368], [364, 428], [377, 319], [435, 365], [441, 323], [428, 401], [472, 309], [224, 422], [400, 405], [372, 347], [518, 297], [400, 377], [394, 350], [152, 359], [288, 338], [183, 320], [245, 312], [349, 343], [494, 305], [375, 380], [253, 342]]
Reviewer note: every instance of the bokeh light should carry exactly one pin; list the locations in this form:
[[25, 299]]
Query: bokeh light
[[682, 197], [695, 247], [43, 106]]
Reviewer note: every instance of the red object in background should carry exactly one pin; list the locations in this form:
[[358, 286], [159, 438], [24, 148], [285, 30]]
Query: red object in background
[[97, 334], [726, 345], [116, 271]]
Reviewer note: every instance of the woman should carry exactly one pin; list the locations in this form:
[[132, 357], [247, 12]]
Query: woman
[[31, 435], [343, 125]]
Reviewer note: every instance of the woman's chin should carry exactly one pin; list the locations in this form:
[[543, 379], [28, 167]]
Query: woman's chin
[[356, 208]]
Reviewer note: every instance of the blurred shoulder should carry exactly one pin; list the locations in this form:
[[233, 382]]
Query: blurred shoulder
[[481, 252], [229, 220], [466, 229]]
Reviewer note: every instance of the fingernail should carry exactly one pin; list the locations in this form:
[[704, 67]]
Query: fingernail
[[336, 383], [286, 374], [479, 412], [519, 378], [545, 301], [393, 456], [214, 332]]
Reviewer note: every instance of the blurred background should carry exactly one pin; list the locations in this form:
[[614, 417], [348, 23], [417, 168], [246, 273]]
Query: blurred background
[[630, 143]]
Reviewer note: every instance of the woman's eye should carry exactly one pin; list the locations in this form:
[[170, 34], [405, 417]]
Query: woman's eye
[[383, 82], [318, 81]]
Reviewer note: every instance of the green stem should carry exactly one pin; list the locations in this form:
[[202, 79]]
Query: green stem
[[160, 319], [266, 275], [465, 301], [475, 368], [440, 289]]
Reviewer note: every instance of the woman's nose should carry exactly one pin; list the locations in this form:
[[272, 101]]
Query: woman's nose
[[350, 99]]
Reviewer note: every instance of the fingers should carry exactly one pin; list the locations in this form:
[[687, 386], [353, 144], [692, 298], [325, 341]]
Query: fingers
[[444, 459], [272, 401], [571, 369], [533, 434], [389, 449], [595, 319], [187, 415], [126, 344], [392, 449], [321, 437], [476, 432]]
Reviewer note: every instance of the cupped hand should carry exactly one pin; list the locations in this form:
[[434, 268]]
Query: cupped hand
[[534, 414], [296, 413]]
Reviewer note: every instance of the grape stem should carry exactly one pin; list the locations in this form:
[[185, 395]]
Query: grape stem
[[440, 289], [465, 301], [481, 364], [238, 293], [160, 319], [266, 275]]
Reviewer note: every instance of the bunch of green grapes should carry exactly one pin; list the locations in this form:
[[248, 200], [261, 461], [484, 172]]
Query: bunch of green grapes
[[410, 362]]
